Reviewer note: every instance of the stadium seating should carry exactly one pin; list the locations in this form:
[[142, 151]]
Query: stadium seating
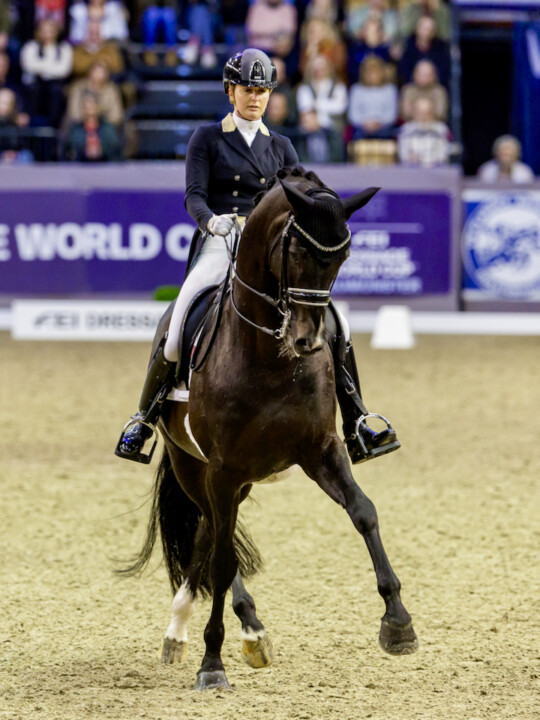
[[164, 139], [171, 99]]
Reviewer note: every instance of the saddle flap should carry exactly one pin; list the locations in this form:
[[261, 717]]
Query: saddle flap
[[201, 316]]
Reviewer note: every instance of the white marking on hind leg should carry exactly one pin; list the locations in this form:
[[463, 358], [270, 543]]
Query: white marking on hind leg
[[252, 635], [182, 609]]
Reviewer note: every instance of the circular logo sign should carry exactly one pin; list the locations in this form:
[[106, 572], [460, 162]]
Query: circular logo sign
[[501, 245]]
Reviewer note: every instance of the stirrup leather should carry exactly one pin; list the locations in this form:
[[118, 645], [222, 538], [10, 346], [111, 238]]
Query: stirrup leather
[[138, 419]]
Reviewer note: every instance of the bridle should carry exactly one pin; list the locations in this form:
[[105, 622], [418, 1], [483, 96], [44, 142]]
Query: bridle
[[286, 294]]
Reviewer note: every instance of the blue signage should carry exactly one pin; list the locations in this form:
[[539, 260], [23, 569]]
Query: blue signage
[[501, 245]]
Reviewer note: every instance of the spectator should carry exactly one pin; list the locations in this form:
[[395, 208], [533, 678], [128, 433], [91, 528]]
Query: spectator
[[358, 15], [6, 79], [201, 27], [6, 25], [271, 26], [107, 94], [373, 102], [10, 141], [234, 14], [7, 84], [322, 103], [506, 165], [370, 42], [425, 84], [8, 109], [424, 45], [326, 10], [46, 63], [51, 10], [284, 88], [93, 139], [318, 37], [158, 19], [415, 9], [110, 14], [95, 48], [278, 114], [424, 140]]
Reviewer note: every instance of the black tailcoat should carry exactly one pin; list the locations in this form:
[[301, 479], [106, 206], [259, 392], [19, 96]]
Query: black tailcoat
[[223, 174]]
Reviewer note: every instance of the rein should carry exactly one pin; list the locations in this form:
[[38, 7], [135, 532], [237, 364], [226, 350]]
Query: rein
[[287, 295]]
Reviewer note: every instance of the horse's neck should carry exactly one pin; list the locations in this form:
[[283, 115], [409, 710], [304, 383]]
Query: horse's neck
[[252, 268]]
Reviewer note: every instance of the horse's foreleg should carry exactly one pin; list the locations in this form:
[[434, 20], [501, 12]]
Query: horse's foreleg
[[223, 568], [334, 476], [256, 645]]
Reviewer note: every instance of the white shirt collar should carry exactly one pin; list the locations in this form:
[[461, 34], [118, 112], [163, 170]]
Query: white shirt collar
[[247, 126]]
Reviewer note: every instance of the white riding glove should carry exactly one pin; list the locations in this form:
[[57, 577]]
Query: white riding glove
[[221, 224]]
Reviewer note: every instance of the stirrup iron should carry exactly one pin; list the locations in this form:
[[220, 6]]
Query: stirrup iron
[[357, 437], [137, 419]]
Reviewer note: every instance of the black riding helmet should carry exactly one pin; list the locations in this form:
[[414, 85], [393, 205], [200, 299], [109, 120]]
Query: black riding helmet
[[251, 68]]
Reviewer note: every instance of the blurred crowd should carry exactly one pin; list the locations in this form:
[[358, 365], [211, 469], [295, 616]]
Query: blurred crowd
[[360, 80]]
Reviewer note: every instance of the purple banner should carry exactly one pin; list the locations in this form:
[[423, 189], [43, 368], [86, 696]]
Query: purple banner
[[110, 241], [101, 241], [401, 245]]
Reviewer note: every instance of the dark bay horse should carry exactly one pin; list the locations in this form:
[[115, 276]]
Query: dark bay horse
[[263, 401]]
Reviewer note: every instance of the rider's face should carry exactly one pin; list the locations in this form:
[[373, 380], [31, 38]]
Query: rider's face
[[249, 102]]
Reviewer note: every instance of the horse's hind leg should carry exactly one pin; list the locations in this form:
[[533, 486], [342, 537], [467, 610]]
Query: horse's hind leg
[[256, 645], [188, 473], [175, 644], [331, 471]]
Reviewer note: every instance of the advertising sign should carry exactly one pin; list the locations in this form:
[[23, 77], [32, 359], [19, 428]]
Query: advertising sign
[[401, 245], [82, 242], [72, 242], [501, 245], [85, 320]]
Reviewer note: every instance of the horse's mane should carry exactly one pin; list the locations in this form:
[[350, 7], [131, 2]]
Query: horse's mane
[[289, 172]]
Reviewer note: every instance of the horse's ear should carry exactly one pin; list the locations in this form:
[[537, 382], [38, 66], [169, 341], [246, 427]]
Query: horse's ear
[[300, 203], [355, 202]]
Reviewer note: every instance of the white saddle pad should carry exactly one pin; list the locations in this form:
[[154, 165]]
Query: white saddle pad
[[179, 394]]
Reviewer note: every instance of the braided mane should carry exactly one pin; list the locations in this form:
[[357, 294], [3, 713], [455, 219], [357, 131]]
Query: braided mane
[[287, 172]]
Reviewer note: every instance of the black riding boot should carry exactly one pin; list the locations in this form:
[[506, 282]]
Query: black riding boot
[[159, 381], [362, 442]]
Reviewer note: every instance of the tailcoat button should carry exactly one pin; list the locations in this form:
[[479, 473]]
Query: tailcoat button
[[235, 209], [237, 178], [235, 193], [262, 181]]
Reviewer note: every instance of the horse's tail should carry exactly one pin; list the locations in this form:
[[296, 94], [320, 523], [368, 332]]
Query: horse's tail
[[177, 518]]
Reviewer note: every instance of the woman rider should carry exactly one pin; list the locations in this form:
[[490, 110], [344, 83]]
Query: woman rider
[[227, 164]]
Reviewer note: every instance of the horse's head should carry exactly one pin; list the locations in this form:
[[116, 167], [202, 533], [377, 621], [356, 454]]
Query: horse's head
[[314, 243]]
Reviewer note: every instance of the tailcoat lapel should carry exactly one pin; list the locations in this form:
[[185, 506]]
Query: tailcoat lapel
[[234, 138]]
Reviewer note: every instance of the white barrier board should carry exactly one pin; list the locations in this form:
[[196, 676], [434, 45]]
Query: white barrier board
[[85, 320]]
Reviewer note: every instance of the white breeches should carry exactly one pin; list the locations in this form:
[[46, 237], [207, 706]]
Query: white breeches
[[209, 269]]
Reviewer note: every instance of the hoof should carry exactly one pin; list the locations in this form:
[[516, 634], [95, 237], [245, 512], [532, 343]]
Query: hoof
[[258, 653], [173, 651], [211, 681], [398, 639]]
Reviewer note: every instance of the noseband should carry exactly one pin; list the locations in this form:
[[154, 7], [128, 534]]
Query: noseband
[[287, 295]]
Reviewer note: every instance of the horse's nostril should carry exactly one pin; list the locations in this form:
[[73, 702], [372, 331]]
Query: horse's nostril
[[307, 345]]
